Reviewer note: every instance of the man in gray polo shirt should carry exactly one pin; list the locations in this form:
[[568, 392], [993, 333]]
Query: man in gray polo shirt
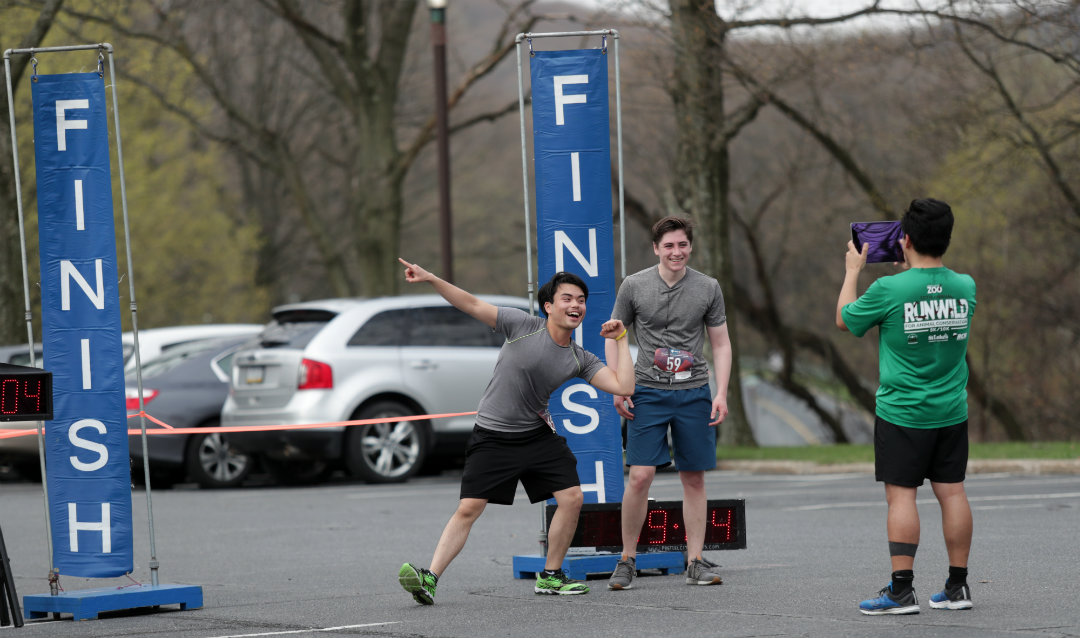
[[671, 308], [514, 438]]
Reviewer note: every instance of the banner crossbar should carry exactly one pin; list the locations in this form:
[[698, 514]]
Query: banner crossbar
[[562, 34]]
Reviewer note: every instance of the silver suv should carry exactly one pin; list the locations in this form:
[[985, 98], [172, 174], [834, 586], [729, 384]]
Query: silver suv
[[348, 359]]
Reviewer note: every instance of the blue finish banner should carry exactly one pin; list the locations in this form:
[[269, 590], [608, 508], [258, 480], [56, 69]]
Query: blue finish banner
[[572, 146], [86, 443]]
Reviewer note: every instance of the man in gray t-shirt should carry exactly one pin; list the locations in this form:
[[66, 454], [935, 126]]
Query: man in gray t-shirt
[[672, 308], [530, 367], [514, 439]]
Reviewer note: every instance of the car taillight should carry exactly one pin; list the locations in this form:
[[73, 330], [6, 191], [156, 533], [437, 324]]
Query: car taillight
[[315, 374], [131, 398]]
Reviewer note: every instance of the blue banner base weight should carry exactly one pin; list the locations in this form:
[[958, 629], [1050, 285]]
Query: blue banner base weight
[[581, 565], [86, 604]]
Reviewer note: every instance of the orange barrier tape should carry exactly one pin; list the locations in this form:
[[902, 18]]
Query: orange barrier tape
[[11, 434], [168, 429]]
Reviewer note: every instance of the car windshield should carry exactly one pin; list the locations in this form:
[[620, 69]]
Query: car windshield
[[291, 334], [23, 359], [178, 355]]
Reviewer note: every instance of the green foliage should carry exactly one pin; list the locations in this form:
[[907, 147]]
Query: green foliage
[[193, 260], [1012, 235]]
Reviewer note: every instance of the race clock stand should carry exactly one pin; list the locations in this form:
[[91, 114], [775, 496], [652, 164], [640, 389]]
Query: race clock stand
[[25, 395]]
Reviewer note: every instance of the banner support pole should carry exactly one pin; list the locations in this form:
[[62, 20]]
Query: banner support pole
[[53, 584], [154, 564], [529, 284]]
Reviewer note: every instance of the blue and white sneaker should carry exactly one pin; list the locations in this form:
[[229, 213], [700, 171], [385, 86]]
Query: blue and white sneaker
[[888, 603], [952, 597]]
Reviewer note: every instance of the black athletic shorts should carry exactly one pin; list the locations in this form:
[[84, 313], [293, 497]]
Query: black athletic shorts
[[906, 456], [496, 461]]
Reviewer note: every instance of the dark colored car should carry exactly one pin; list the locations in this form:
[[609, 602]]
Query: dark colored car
[[185, 388]]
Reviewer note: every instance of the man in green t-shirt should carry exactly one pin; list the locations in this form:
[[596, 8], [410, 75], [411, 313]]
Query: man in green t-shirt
[[923, 315]]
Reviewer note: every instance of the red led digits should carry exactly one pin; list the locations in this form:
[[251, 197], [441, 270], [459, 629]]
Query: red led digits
[[24, 395], [719, 525], [662, 526], [663, 530], [36, 395], [11, 399], [13, 406]]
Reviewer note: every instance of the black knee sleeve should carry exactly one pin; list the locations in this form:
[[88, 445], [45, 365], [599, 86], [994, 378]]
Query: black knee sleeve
[[902, 549]]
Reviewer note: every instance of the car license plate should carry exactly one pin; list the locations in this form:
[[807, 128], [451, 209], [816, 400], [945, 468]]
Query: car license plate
[[253, 375]]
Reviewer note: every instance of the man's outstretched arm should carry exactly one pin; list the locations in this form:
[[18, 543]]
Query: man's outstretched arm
[[461, 299]]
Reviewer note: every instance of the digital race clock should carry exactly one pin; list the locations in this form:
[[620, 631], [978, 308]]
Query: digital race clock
[[600, 526], [25, 393]]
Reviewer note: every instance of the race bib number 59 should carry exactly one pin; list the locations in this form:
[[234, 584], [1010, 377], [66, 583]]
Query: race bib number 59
[[674, 361]]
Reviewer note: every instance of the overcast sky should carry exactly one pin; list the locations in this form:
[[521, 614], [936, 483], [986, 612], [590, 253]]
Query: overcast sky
[[750, 9], [761, 8]]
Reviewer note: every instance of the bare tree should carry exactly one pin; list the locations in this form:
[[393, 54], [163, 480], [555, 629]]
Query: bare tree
[[12, 306], [708, 67], [706, 128], [311, 101]]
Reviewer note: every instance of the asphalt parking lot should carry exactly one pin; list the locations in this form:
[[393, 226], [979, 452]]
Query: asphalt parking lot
[[322, 561]]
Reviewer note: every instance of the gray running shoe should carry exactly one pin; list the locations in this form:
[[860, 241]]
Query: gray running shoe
[[952, 597], [889, 603], [623, 574], [703, 572]]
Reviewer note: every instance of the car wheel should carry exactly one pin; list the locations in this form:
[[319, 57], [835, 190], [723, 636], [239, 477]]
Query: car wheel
[[386, 452], [213, 462], [297, 471]]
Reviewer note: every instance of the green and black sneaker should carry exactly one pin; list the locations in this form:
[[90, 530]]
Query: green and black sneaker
[[559, 584], [419, 582]]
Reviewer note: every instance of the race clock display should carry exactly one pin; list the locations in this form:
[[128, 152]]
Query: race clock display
[[25, 393], [600, 526]]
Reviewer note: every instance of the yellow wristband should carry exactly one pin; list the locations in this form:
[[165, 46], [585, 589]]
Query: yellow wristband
[[622, 335]]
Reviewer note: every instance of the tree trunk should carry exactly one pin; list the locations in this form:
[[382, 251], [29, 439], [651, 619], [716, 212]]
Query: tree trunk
[[702, 167]]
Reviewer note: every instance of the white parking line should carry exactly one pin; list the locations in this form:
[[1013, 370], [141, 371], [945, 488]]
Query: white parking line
[[1018, 506], [304, 631]]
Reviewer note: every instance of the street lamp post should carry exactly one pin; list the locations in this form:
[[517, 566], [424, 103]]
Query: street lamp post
[[438, 43]]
